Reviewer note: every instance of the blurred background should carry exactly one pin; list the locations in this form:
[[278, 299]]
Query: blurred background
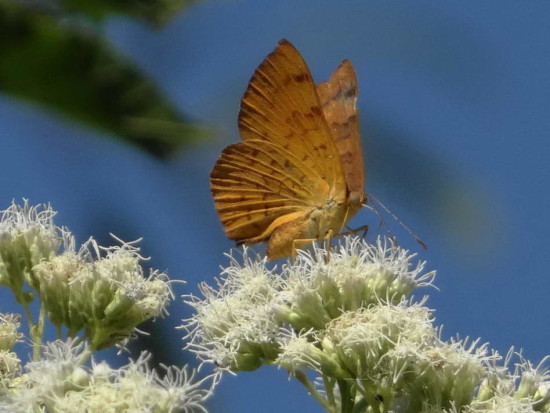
[[115, 114]]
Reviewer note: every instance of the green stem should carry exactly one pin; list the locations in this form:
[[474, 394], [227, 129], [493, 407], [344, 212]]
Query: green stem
[[37, 333], [302, 378], [28, 314], [379, 398], [345, 396], [329, 389]]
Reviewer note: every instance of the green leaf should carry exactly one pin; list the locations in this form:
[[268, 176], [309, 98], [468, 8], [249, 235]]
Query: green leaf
[[65, 68]]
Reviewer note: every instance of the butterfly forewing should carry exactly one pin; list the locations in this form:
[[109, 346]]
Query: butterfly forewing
[[281, 106]]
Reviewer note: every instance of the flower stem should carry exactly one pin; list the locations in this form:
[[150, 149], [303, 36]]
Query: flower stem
[[329, 389], [345, 396], [302, 378], [28, 314], [37, 333]]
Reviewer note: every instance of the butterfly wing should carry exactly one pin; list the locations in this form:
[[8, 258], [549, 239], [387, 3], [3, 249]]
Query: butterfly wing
[[338, 98], [258, 187], [287, 164], [281, 106]]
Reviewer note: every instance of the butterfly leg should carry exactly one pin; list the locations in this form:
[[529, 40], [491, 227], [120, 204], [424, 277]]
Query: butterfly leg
[[299, 244], [350, 231], [328, 241]]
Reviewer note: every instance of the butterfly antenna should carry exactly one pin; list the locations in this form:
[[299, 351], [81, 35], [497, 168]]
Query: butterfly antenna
[[381, 222], [406, 228]]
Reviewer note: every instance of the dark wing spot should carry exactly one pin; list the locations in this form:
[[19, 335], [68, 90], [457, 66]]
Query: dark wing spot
[[302, 77], [316, 110], [343, 137], [345, 93]]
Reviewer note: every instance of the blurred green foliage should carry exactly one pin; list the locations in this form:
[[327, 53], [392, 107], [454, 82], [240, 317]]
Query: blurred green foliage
[[155, 12], [54, 57]]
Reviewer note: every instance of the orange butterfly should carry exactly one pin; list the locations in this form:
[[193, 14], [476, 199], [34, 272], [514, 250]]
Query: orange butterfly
[[298, 174]]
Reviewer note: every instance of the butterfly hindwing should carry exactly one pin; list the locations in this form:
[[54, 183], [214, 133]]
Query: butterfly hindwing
[[338, 98], [254, 184]]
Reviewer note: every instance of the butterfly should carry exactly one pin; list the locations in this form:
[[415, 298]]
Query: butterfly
[[297, 175]]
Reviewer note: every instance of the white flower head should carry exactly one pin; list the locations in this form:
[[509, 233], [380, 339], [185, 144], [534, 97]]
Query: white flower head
[[61, 382], [9, 330], [59, 371], [347, 315], [136, 387], [234, 326], [54, 282], [527, 383], [501, 403], [27, 236], [363, 339], [322, 284], [10, 367], [533, 383], [113, 285], [499, 380], [102, 290], [301, 351], [452, 370], [241, 324], [182, 391]]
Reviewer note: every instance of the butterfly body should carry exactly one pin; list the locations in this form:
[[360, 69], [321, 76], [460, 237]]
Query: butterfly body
[[317, 225], [298, 174]]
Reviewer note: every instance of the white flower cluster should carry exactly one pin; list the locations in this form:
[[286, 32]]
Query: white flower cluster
[[27, 236], [95, 297], [101, 291], [60, 382], [346, 315], [10, 364]]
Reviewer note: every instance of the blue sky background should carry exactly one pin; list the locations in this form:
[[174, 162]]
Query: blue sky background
[[455, 114]]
